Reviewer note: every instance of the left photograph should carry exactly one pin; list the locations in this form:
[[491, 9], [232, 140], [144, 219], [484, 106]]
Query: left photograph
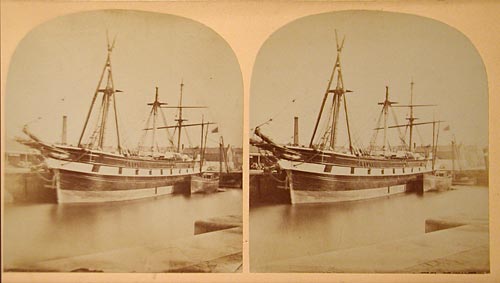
[[123, 147]]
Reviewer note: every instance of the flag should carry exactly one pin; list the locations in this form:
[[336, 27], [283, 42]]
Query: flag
[[216, 130], [447, 128]]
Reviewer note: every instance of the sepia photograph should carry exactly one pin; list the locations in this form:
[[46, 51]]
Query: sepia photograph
[[369, 147], [123, 147], [249, 141]]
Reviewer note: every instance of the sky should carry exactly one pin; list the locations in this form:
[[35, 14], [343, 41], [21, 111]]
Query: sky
[[381, 49], [55, 70]]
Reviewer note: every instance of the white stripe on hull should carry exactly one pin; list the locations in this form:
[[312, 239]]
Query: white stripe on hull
[[125, 171], [70, 196], [298, 197], [355, 171], [305, 195]]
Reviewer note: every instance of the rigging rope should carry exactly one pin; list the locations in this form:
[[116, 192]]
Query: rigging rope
[[286, 106]]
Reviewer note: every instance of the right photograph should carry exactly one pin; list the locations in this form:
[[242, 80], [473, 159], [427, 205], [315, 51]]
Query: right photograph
[[369, 147]]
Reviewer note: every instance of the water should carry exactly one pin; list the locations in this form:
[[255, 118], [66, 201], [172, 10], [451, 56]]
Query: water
[[35, 232], [288, 231]]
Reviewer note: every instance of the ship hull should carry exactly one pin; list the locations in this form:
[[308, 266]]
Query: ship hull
[[78, 187], [308, 183], [77, 182]]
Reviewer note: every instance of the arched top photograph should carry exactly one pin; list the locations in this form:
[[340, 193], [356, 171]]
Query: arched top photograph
[[366, 127]]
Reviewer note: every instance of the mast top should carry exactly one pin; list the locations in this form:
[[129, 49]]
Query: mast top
[[387, 102], [156, 102], [110, 45], [339, 47]]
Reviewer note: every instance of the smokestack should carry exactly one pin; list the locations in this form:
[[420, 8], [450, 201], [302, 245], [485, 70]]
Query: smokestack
[[296, 131], [64, 130]]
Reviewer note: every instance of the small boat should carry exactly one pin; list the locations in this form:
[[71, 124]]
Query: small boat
[[205, 183], [439, 180], [229, 176]]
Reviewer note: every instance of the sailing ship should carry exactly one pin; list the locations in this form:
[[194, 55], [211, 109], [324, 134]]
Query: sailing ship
[[321, 172], [90, 172]]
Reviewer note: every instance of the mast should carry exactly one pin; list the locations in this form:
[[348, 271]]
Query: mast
[[434, 152], [154, 120], [201, 144], [155, 106], [180, 120], [108, 97], [411, 118], [386, 108], [338, 94], [221, 148], [453, 157], [386, 104], [204, 145]]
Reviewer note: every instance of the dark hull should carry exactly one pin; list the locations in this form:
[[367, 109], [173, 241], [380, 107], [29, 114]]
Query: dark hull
[[309, 184], [115, 178], [76, 181], [305, 181], [77, 187]]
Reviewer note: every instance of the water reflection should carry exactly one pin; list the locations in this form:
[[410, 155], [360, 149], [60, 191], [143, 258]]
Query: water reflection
[[38, 232], [287, 231]]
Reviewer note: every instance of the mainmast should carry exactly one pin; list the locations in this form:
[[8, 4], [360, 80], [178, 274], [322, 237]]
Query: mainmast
[[155, 109], [108, 98], [338, 95], [385, 110]]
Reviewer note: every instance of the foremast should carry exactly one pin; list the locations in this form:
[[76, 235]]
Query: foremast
[[338, 101], [108, 92]]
